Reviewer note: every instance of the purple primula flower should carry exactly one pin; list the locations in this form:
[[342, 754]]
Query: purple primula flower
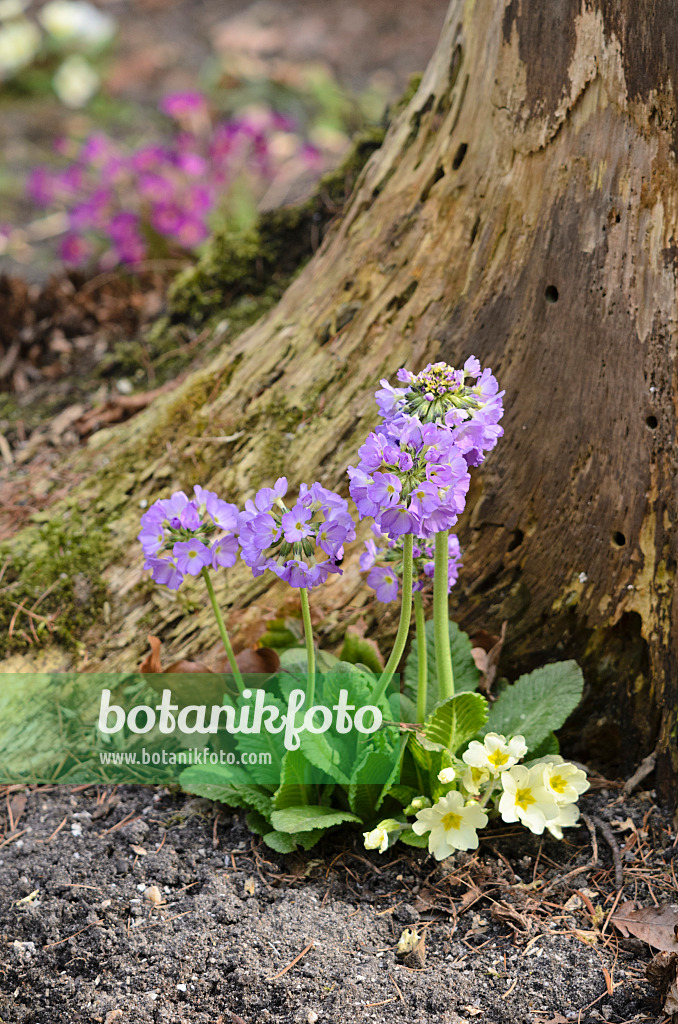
[[181, 536], [385, 584], [410, 478], [296, 524], [191, 556], [389, 550], [467, 401], [302, 544]]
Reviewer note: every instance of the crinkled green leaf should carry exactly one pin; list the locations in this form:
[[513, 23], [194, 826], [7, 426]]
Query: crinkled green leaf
[[203, 780], [537, 703], [320, 751], [282, 842], [411, 838], [358, 650], [256, 822], [455, 721], [305, 818], [295, 780]]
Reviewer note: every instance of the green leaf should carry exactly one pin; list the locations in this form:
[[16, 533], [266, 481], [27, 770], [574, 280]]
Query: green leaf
[[304, 819], [411, 838], [537, 703], [257, 823], [403, 794], [308, 839], [466, 675], [294, 781], [294, 660], [318, 750], [203, 780], [282, 842], [455, 721], [358, 650], [550, 745]]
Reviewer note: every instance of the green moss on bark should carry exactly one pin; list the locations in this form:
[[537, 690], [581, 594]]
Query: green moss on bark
[[261, 262], [52, 582]]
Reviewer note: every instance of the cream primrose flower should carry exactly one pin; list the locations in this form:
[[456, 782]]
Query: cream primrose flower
[[446, 775], [495, 753], [19, 43], [568, 815], [377, 839], [473, 779], [526, 798], [565, 780], [418, 804], [77, 22], [452, 825], [75, 81]]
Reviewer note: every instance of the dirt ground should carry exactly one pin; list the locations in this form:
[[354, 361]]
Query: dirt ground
[[511, 933]]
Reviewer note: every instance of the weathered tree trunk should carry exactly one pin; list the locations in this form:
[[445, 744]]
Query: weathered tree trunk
[[523, 209]]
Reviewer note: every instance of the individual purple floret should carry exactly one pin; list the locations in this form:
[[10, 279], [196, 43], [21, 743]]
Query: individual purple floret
[[467, 401], [301, 542], [390, 551], [181, 536], [411, 478]]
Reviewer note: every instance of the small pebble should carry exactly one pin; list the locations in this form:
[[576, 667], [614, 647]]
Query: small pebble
[[153, 894]]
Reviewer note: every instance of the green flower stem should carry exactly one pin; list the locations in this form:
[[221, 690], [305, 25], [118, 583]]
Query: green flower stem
[[222, 630], [403, 625], [489, 792], [441, 617], [422, 660], [310, 650]]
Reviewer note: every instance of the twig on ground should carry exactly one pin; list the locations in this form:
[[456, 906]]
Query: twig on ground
[[646, 766], [608, 835], [293, 962], [584, 867]]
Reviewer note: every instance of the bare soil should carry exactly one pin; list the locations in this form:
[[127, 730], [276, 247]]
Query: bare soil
[[505, 940]]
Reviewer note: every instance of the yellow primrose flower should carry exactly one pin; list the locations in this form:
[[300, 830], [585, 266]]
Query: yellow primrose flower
[[446, 775], [452, 825], [568, 815], [495, 753], [566, 781], [377, 839], [473, 779], [526, 798]]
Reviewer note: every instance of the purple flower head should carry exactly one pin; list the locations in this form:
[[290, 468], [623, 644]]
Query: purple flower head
[[301, 544], [182, 536], [182, 104], [389, 552], [467, 401], [411, 478]]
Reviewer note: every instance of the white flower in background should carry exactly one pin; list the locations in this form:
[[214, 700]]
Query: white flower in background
[[452, 825], [568, 815], [19, 43], [446, 775], [495, 753], [75, 81], [526, 798], [565, 780], [473, 779], [77, 22], [377, 839], [11, 9]]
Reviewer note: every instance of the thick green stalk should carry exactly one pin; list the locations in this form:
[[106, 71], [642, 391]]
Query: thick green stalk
[[222, 630], [441, 616], [422, 660], [403, 625], [310, 650]]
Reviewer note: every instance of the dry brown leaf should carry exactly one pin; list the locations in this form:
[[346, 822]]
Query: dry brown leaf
[[503, 913], [15, 809], [558, 1019], [658, 926], [139, 850], [486, 652]]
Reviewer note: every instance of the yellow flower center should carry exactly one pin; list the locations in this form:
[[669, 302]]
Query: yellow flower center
[[497, 758], [558, 783], [524, 798], [450, 821]]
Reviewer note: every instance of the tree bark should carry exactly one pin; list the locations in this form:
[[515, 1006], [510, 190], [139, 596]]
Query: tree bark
[[523, 209]]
